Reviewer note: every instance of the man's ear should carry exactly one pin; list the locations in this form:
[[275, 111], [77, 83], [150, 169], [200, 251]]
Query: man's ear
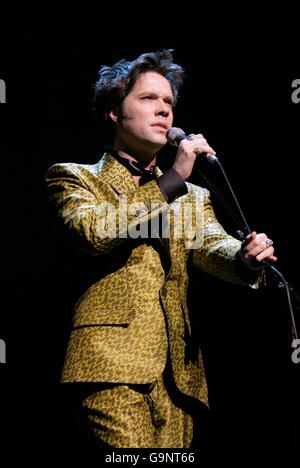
[[112, 115]]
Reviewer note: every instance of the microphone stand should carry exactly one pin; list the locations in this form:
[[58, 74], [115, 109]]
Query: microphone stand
[[282, 282]]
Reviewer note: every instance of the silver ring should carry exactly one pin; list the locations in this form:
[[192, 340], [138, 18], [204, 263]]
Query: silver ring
[[268, 242], [191, 136]]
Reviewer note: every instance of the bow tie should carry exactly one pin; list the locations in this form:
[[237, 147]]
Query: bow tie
[[134, 167]]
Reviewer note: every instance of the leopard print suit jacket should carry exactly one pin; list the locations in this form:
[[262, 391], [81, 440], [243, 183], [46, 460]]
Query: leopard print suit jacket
[[135, 314]]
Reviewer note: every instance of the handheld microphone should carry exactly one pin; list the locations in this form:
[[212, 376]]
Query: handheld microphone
[[175, 136]]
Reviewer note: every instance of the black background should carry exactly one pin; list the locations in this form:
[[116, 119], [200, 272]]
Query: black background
[[238, 94]]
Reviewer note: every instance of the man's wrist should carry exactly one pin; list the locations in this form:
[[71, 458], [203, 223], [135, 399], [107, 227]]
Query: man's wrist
[[249, 270], [172, 185]]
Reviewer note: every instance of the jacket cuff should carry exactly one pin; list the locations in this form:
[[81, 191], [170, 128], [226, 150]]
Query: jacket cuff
[[172, 185], [249, 272]]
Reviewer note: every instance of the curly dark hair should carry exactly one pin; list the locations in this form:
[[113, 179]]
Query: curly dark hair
[[115, 83]]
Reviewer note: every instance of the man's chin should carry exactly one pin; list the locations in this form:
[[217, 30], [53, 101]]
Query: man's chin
[[159, 141]]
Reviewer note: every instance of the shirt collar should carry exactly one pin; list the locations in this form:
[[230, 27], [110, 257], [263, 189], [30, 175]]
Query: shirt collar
[[134, 167]]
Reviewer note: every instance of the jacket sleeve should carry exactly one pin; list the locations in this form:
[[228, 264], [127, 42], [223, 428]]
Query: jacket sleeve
[[218, 254], [96, 218]]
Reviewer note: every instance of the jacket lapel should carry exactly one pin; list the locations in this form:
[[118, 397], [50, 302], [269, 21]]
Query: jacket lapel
[[120, 179], [116, 175]]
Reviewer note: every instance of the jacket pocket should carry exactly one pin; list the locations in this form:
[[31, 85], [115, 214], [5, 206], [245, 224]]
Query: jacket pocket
[[105, 302]]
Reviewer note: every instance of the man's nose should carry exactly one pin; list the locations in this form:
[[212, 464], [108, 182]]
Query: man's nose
[[162, 108]]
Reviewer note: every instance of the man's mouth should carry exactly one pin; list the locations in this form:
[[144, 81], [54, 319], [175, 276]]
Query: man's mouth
[[162, 126]]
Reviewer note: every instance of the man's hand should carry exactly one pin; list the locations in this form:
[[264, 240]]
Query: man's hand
[[255, 248], [187, 154]]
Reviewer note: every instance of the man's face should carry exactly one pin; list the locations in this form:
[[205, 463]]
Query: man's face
[[146, 114]]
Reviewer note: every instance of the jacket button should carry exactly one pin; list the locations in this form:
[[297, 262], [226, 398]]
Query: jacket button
[[164, 292]]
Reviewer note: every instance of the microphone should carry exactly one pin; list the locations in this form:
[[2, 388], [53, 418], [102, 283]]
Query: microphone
[[175, 136]]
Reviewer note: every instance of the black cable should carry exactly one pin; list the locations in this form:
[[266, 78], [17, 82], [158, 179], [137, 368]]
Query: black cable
[[246, 227], [221, 197]]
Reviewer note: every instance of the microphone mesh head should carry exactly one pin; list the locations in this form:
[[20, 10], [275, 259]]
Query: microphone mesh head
[[175, 135]]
